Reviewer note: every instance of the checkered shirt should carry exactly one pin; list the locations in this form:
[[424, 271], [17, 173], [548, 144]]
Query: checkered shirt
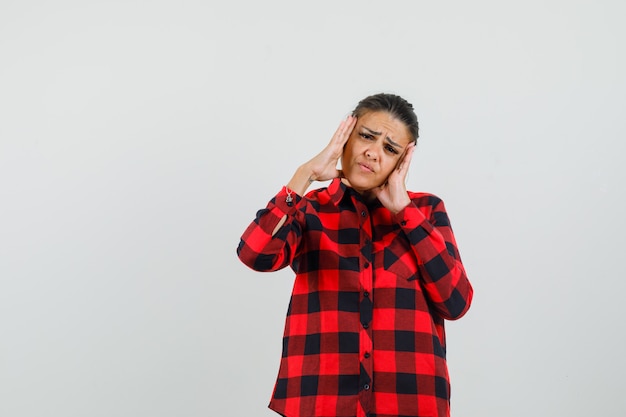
[[364, 333]]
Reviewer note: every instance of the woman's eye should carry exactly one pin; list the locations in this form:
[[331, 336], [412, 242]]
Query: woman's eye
[[391, 149], [365, 135]]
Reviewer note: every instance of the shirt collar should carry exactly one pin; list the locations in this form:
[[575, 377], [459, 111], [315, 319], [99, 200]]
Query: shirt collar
[[338, 190]]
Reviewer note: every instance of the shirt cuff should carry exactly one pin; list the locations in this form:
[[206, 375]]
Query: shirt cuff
[[410, 217], [284, 203]]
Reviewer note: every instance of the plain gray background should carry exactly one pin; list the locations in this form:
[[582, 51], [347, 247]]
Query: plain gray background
[[138, 140]]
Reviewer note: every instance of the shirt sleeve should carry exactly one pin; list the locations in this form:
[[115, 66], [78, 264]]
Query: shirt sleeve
[[264, 252], [441, 271]]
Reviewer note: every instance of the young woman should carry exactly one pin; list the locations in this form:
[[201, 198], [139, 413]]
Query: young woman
[[377, 273]]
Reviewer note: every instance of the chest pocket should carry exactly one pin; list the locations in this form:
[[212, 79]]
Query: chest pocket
[[395, 262]]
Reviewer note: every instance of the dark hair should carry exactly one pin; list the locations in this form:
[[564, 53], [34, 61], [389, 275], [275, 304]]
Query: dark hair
[[392, 104]]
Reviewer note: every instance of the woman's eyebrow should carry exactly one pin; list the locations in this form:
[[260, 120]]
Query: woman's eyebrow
[[397, 145], [375, 133]]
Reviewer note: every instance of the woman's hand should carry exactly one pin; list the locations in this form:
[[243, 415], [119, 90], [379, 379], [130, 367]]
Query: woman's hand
[[393, 194], [323, 166]]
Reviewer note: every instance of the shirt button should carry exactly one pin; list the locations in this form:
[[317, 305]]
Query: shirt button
[[367, 264], [365, 325], [366, 387], [363, 213], [367, 355], [403, 223], [366, 294]]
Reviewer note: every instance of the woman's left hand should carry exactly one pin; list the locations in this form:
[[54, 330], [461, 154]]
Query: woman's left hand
[[393, 194]]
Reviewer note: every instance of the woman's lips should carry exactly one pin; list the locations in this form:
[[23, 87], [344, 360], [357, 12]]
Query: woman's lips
[[365, 168]]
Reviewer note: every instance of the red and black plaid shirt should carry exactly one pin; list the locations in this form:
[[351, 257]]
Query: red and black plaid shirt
[[364, 334]]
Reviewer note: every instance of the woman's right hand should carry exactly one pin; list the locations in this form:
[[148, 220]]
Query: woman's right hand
[[324, 165]]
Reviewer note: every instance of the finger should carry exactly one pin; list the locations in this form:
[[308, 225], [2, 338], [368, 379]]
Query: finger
[[402, 168], [351, 125], [343, 131], [340, 129], [405, 161]]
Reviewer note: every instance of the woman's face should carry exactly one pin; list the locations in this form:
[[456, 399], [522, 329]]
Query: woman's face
[[373, 150]]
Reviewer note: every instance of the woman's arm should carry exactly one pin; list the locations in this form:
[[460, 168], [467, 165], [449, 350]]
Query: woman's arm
[[441, 271], [270, 242]]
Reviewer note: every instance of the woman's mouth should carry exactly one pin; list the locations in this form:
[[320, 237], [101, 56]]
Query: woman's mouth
[[365, 168]]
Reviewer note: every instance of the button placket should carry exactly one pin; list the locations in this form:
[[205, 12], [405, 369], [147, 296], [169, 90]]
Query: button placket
[[365, 306]]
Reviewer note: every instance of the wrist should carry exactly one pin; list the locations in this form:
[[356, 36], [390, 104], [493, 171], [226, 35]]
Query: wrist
[[302, 178], [401, 206]]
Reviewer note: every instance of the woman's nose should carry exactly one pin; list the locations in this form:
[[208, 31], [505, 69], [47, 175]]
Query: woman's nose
[[371, 154]]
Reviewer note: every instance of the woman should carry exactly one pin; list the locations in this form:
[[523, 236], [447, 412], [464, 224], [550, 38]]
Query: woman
[[377, 273]]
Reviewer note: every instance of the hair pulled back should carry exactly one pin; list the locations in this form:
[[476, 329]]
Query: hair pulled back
[[393, 104]]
